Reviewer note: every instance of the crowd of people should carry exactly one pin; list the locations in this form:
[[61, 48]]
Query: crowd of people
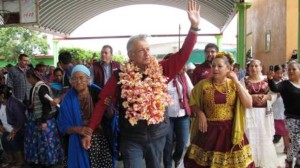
[[148, 111]]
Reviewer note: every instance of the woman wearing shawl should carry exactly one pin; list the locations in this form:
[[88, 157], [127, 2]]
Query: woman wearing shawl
[[218, 140], [42, 143], [259, 119], [73, 118]]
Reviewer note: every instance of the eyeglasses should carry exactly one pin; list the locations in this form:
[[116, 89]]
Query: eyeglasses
[[80, 79], [143, 51]]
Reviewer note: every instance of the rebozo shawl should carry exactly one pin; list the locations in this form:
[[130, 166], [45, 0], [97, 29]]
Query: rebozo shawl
[[69, 116], [238, 122]]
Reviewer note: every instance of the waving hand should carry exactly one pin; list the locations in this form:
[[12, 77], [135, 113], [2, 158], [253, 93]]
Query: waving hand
[[194, 13]]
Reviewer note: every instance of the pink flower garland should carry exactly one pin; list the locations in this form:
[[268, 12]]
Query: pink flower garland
[[144, 99]]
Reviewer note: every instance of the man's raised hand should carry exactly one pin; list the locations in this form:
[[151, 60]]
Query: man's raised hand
[[194, 13]]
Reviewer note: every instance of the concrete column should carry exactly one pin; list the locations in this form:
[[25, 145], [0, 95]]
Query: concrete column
[[55, 51], [219, 41], [241, 40]]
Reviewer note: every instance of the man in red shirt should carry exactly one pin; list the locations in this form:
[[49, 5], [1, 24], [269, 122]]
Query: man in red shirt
[[143, 138], [203, 71]]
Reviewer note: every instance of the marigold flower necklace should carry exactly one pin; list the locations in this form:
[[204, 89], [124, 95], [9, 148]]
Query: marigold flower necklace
[[145, 94]]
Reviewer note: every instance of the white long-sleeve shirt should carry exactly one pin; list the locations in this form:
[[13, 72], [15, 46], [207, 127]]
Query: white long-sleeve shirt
[[175, 110]]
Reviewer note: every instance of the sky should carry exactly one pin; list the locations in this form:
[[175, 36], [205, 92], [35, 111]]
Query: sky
[[141, 19]]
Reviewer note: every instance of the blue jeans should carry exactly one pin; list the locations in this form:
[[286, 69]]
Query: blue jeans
[[134, 152], [179, 127]]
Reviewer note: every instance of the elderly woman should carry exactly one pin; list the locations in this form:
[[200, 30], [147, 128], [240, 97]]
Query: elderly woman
[[73, 118], [12, 116], [216, 138], [259, 119], [290, 93], [42, 142]]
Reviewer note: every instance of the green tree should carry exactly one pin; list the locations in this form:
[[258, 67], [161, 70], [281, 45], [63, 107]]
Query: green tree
[[115, 57], [78, 54], [84, 56], [17, 40], [119, 58]]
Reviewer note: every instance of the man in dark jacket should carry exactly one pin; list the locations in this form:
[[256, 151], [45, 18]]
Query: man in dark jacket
[[143, 138], [102, 70]]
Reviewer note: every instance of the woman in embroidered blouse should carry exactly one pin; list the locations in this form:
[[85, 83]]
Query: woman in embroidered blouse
[[290, 93], [214, 100], [259, 119], [73, 118], [42, 144]]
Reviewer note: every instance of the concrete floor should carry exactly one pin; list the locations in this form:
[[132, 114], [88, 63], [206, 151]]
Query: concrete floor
[[281, 156], [279, 148]]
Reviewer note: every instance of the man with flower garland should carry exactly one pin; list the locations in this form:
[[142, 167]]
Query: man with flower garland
[[139, 90]]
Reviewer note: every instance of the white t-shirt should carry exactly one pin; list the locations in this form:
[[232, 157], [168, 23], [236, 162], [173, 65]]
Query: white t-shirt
[[3, 119], [278, 108], [175, 110]]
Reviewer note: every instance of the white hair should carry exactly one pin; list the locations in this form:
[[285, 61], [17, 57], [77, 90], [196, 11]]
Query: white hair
[[294, 62], [140, 37]]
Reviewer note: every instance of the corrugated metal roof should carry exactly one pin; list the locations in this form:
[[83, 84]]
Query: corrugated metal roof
[[64, 16]]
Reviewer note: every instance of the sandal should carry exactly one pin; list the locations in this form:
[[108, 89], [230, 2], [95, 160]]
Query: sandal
[[17, 166], [8, 164], [5, 165]]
